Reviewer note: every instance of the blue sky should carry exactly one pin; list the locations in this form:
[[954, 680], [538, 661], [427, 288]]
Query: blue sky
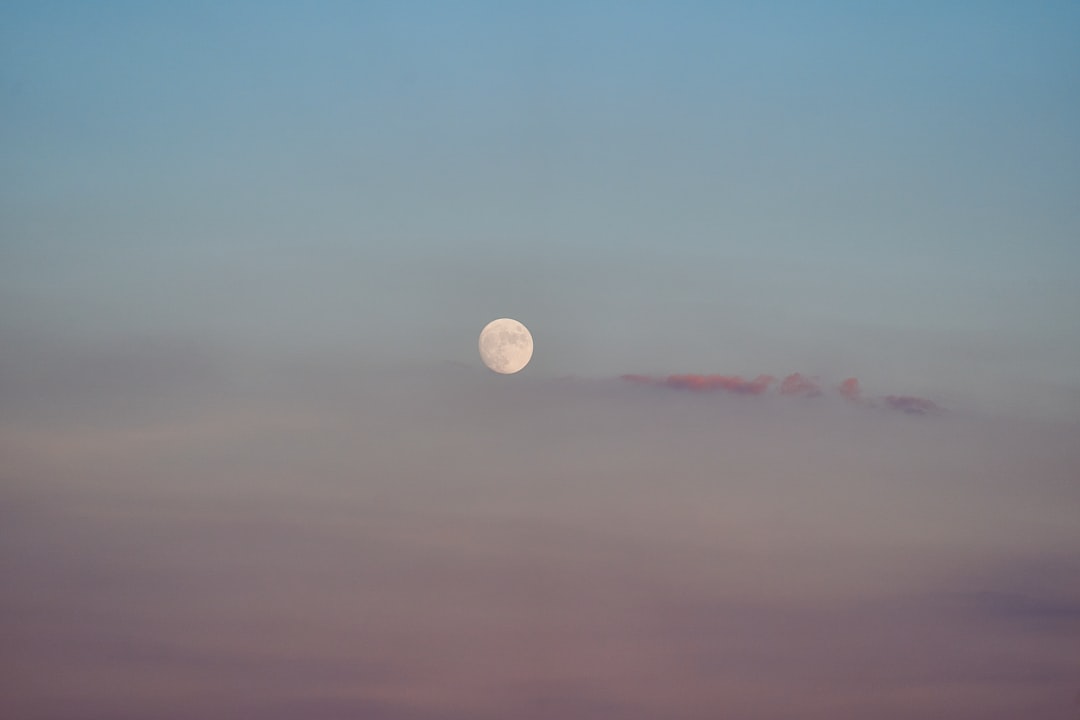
[[883, 189]]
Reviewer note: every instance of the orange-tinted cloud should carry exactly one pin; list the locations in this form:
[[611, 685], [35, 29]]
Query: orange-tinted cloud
[[798, 384]]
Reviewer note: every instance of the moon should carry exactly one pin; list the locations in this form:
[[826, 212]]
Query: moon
[[506, 346]]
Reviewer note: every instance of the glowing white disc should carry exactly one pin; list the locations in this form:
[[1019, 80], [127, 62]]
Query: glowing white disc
[[506, 346]]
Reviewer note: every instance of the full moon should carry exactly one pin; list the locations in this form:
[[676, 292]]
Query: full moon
[[505, 346]]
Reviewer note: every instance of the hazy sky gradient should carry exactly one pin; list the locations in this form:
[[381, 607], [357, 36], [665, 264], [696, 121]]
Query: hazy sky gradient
[[252, 466], [884, 191], [330, 543]]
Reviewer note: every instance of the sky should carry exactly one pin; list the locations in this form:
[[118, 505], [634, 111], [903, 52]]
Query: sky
[[253, 466]]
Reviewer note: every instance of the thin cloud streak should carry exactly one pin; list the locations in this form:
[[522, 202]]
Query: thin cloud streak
[[910, 404], [707, 383], [793, 385]]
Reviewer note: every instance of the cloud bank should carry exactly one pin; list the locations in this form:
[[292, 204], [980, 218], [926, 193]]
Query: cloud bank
[[321, 541]]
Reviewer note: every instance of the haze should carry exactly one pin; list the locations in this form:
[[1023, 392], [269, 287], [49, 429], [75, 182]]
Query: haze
[[798, 438]]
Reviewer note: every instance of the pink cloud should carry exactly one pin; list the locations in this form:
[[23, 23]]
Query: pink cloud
[[795, 385], [708, 383], [798, 384], [850, 389]]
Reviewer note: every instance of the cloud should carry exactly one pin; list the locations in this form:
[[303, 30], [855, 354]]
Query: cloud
[[708, 383], [850, 389], [795, 385], [910, 404], [798, 384], [729, 383], [1025, 607], [601, 555]]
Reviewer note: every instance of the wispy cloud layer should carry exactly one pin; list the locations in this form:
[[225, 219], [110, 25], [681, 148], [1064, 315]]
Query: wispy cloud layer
[[794, 385], [708, 383], [911, 405], [321, 541]]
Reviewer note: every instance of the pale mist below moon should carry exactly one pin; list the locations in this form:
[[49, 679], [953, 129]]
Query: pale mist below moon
[[506, 346]]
